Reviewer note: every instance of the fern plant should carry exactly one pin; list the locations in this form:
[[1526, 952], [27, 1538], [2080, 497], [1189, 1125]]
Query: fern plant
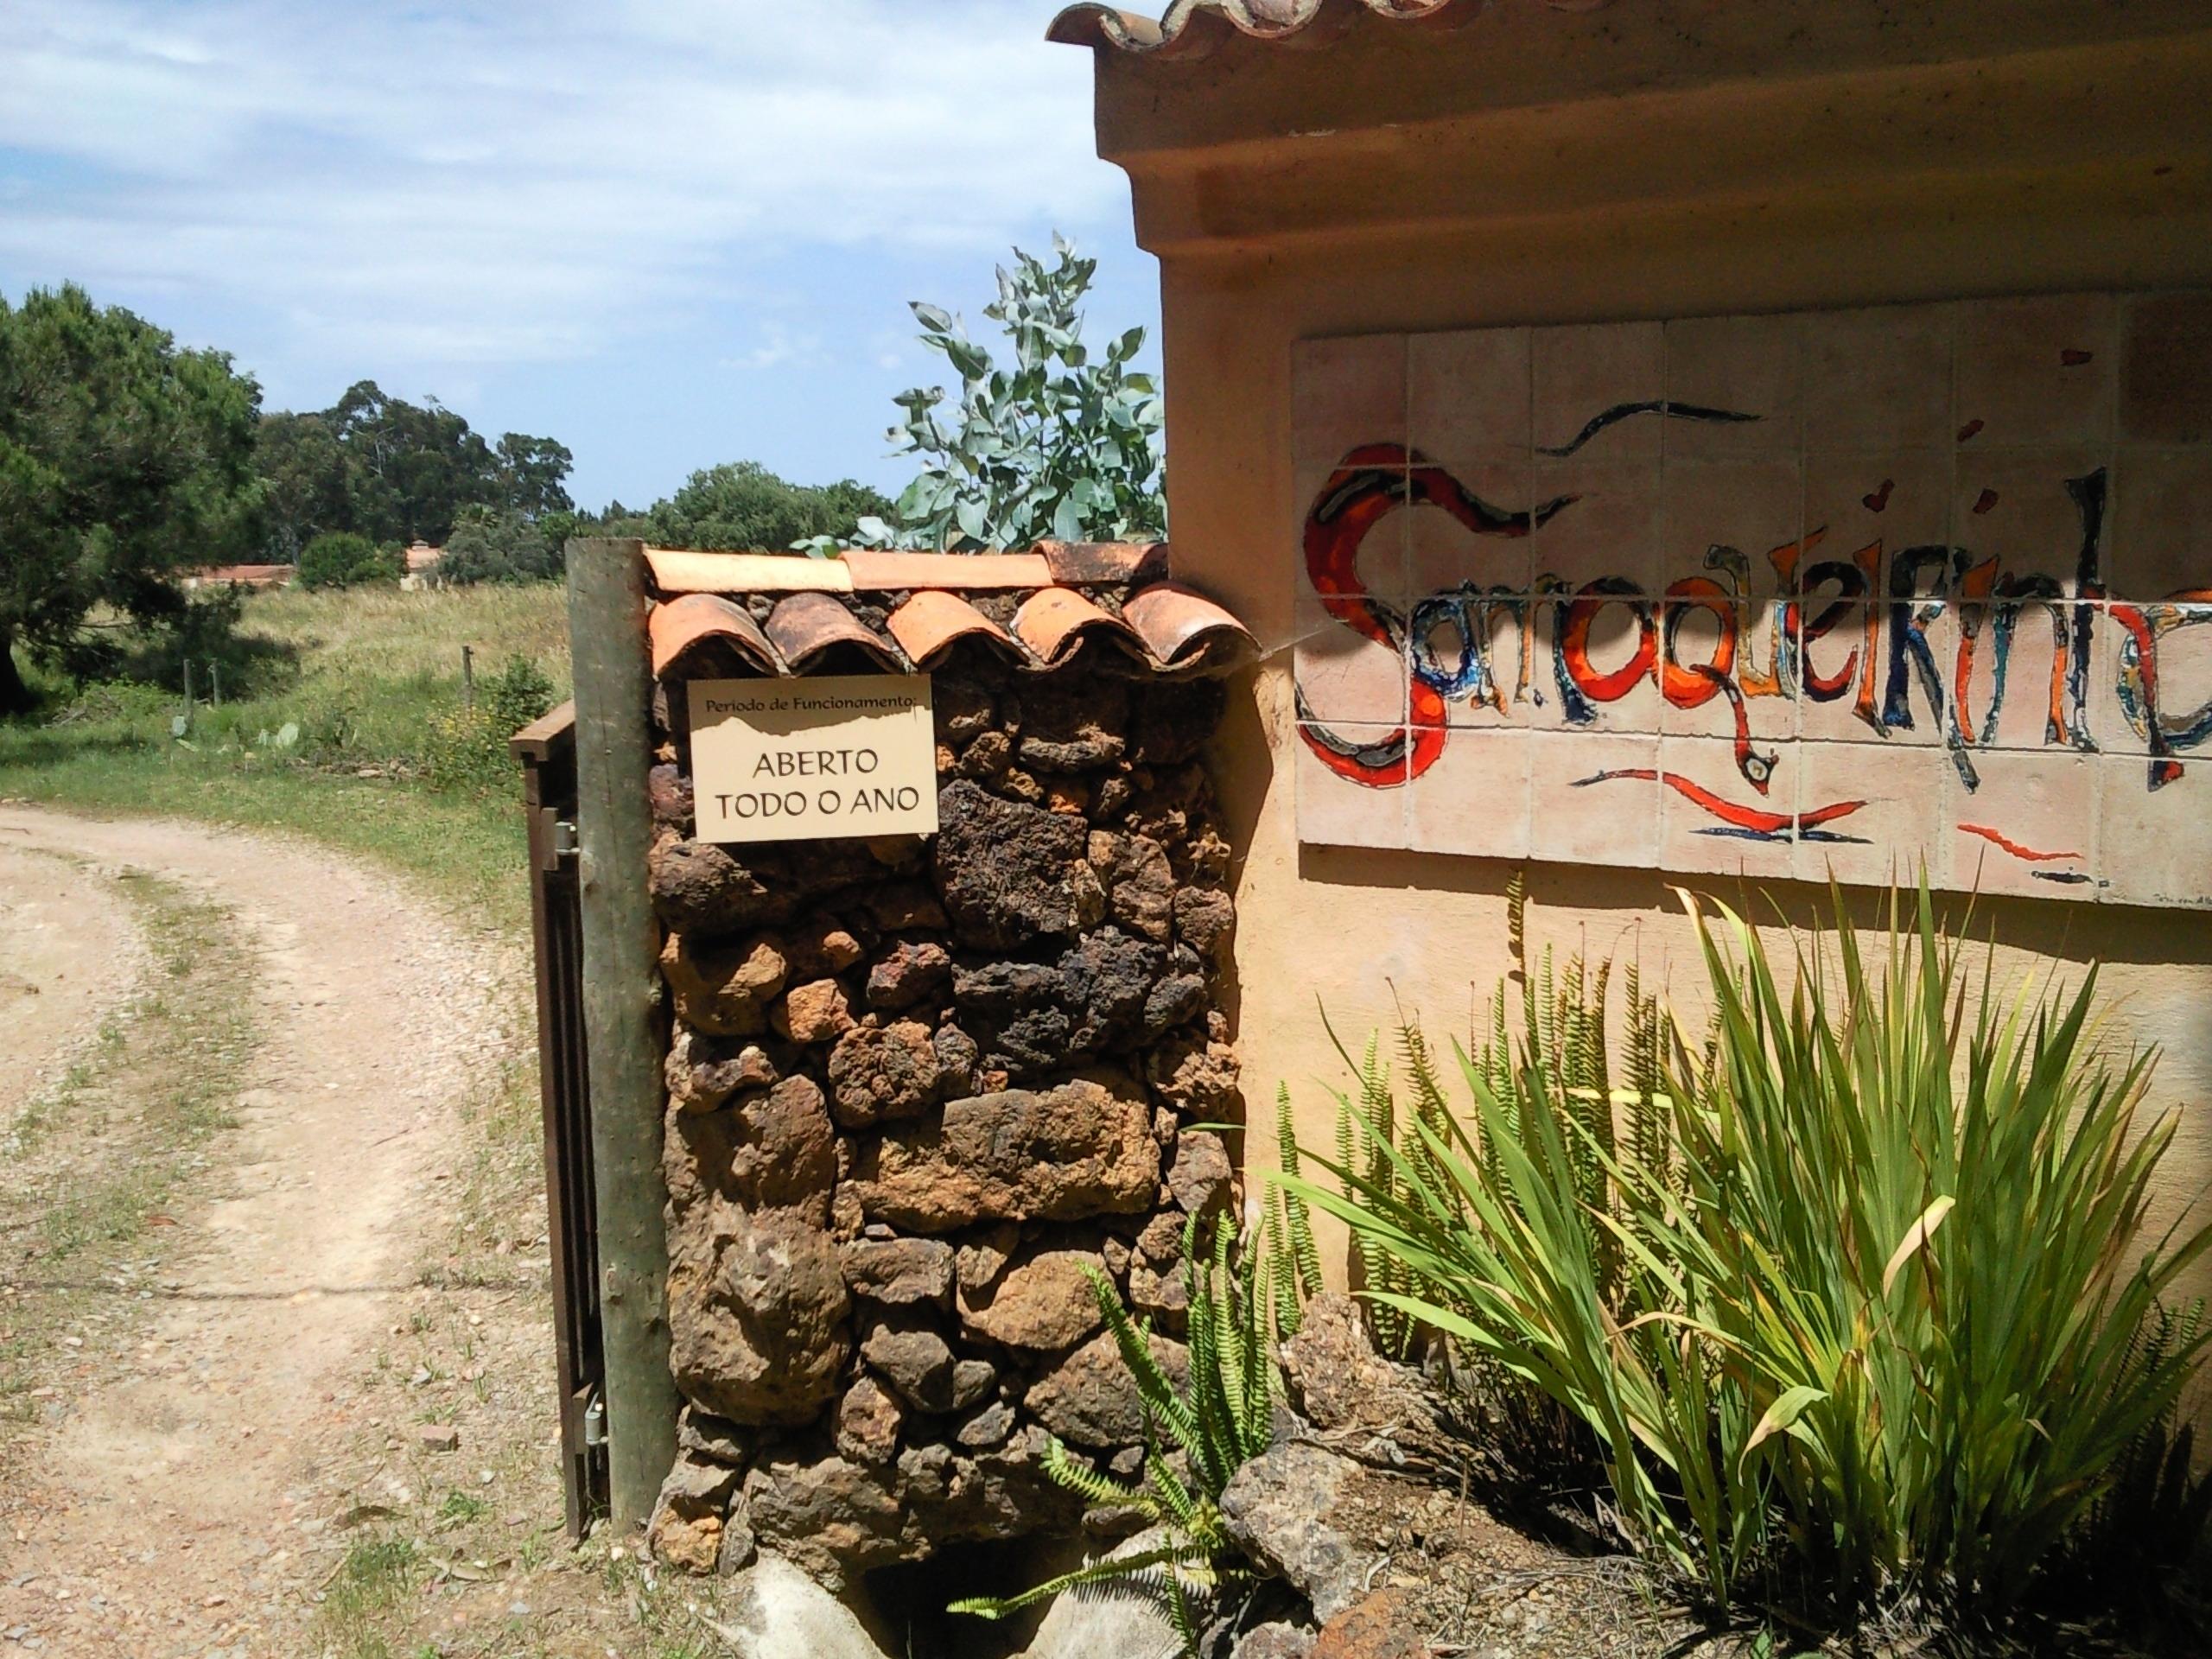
[[1545, 1050], [1294, 1257], [1219, 1420]]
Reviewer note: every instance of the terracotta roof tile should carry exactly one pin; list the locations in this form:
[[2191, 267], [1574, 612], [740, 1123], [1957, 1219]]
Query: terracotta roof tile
[[1193, 27], [1179, 626], [932, 620], [881, 572], [1096, 563], [943, 599], [680, 626], [676, 570], [804, 626], [1052, 621]]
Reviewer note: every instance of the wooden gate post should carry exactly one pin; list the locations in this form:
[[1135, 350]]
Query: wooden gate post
[[621, 947]]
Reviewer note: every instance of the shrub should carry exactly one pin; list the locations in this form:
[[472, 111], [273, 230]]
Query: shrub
[[1220, 1419], [340, 558], [743, 505], [206, 630], [1861, 1297], [468, 746]]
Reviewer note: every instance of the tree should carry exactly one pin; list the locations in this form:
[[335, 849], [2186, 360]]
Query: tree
[[123, 461], [1056, 445], [395, 471], [743, 505], [346, 558], [530, 475], [502, 547], [410, 468], [303, 467]]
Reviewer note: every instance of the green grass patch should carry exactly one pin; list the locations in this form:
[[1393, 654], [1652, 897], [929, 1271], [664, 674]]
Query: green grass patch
[[158, 1082], [191, 1033], [363, 743], [378, 1577]]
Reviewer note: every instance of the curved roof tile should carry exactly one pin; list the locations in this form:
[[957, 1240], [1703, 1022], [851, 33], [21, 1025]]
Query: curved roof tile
[[1052, 621], [1180, 627], [927, 623], [1105, 563], [678, 626], [804, 626]]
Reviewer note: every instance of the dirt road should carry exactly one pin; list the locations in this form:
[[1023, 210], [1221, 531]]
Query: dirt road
[[166, 1508], [67, 958]]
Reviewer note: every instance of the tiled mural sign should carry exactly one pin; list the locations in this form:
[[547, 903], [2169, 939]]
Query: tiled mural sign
[[1839, 592]]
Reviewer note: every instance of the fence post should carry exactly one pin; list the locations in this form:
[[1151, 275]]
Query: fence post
[[215, 674], [621, 947], [187, 692], [468, 680]]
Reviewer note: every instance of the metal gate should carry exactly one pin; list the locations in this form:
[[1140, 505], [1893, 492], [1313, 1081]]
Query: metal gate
[[546, 751]]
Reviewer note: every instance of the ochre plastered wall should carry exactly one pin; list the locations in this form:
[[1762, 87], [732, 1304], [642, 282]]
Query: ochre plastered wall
[[1645, 161]]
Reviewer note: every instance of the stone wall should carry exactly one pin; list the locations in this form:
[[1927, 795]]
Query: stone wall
[[916, 1087]]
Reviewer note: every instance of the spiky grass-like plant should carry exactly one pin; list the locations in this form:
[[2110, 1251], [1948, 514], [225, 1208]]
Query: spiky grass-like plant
[[1219, 1420], [1862, 1297]]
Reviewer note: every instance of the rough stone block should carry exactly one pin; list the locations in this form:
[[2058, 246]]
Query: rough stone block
[[1084, 1149]]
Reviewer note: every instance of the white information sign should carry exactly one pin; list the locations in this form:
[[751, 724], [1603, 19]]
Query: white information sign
[[812, 760]]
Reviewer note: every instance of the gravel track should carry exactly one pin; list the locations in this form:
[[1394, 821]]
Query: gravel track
[[173, 1487]]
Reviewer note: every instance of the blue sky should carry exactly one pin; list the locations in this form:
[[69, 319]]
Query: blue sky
[[668, 232]]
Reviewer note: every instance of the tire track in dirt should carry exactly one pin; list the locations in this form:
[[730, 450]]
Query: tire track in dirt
[[173, 1500], [68, 956]]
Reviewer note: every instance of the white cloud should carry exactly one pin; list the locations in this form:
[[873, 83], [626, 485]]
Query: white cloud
[[477, 181], [778, 347]]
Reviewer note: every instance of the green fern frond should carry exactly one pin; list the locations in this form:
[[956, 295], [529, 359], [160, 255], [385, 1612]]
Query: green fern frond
[[1065, 1469]]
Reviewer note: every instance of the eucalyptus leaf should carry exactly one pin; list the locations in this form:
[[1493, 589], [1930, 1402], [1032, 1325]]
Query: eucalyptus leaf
[[1055, 441]]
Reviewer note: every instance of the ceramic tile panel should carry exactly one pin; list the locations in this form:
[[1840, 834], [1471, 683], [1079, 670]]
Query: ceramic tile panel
[[1724, 667], [1733, 524], [2150, 841], [1351, 785], [1474, 799], [2026, 826], [2175, 697], [1469, 392], [1876, 673], [2038, 370], [2166, 375], [1598, 390], [1345, 394], [2025, 673], [2028, 518], [1601, 649], [1485, 655], [1593, 798], [1864, 819], [1344, 674], [1468, 525], [1712, 820], [1777, 596], [2162, 522], [1734, 388], [1878, 379], [1597, 521], [1865, 516]]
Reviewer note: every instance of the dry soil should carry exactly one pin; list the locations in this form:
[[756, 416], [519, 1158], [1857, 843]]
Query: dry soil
[[166, 1509]]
